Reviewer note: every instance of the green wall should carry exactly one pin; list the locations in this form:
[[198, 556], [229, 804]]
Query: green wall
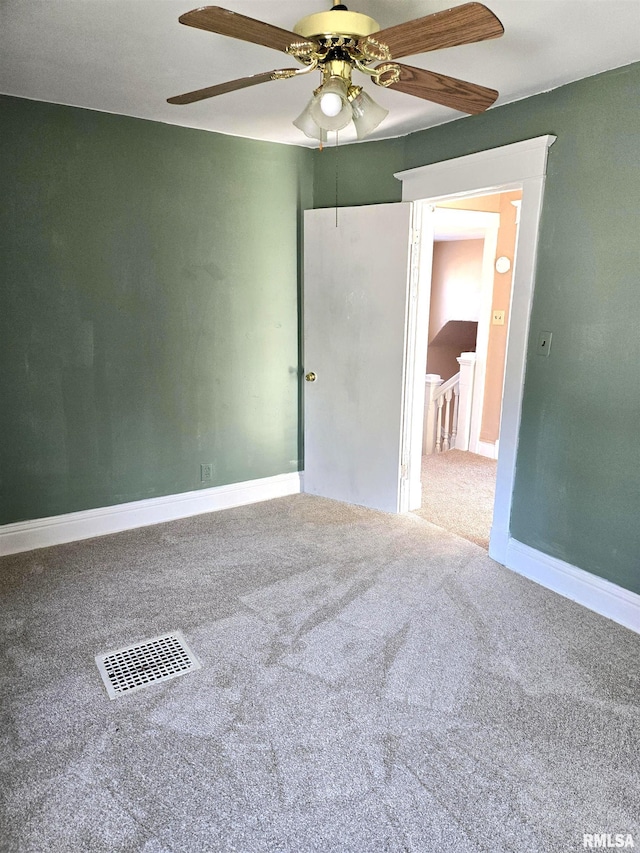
[[577, 490], [148, 308], [150, 282]]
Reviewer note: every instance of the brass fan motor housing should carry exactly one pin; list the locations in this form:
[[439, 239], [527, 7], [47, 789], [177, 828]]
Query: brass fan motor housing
[[336, 24]]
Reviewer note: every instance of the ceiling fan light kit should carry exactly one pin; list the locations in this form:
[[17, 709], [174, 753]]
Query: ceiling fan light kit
[[338, 42]]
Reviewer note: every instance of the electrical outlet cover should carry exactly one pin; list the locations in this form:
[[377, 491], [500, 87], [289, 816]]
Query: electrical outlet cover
[[544, 343]]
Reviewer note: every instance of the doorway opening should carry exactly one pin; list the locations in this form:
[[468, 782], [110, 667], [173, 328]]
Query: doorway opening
[[469, 308], [519, 166]]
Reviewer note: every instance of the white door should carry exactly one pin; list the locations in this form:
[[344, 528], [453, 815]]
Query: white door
[[357, 273]]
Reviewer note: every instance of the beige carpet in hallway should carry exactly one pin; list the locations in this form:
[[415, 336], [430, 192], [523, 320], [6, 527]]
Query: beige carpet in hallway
[[458, 491]]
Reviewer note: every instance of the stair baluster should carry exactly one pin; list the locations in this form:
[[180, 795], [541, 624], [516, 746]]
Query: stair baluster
[[439, 424], [454, 428], [446, 435]]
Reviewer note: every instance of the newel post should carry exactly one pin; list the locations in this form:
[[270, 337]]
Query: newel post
[[431, 384], [467, 362]]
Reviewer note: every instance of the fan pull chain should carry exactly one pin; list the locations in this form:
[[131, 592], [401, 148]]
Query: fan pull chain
[[336, 158]]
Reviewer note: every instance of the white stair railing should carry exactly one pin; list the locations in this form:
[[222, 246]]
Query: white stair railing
[[447, 415], [445, 424]]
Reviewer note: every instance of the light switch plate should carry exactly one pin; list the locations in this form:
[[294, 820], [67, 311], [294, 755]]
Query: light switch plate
[[544, 343]]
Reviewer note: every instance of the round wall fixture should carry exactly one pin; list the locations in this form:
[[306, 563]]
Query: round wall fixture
[[503, 264]]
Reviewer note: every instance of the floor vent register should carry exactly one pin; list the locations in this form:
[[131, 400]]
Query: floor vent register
[[149, 662]]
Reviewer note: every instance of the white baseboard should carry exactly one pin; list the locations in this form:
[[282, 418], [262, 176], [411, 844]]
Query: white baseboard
[[487, 448], [597, 594], [57, 529]]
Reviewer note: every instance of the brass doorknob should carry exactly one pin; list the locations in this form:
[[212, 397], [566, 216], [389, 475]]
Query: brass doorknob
[[310, 377]]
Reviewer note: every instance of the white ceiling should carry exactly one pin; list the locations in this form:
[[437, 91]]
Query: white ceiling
[[128, 56]]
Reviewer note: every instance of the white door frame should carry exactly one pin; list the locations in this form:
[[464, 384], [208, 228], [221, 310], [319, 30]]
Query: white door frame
[[518, 166], [415, 346]]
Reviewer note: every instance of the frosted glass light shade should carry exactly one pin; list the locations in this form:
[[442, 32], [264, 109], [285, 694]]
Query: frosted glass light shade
[[367, 115], [307, 125], [332, 96]]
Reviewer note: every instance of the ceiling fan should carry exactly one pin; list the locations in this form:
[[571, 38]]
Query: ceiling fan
[[337, 42]]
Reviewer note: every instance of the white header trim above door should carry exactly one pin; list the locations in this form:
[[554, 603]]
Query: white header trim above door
[[484, 171]]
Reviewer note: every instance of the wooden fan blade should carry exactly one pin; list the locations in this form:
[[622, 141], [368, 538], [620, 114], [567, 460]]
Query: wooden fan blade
[[215, 19], [448, 91], [231, 86], [461, 25]]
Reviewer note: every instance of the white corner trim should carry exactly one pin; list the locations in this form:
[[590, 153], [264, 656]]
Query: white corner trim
[[597, 594], [57, 529]]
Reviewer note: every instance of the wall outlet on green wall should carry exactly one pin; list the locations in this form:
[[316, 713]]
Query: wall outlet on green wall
[[206, 472], [544, 343]]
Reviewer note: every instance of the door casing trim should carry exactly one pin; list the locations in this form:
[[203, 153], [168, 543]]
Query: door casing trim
[[522, 165]]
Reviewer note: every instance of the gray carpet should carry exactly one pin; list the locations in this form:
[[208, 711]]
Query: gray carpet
[[458, 491], [369, 683]]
